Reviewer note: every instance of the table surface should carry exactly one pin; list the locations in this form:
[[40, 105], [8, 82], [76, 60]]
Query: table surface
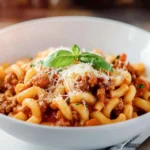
[[137, 17]]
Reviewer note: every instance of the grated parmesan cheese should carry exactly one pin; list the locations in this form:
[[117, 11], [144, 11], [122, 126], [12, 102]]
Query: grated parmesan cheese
[[81, 69]]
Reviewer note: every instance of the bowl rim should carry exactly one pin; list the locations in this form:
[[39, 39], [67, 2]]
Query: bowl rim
[[72, 18]]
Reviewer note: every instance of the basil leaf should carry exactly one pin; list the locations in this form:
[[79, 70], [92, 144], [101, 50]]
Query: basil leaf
[[96, 61], [76, 50], [58, 59]]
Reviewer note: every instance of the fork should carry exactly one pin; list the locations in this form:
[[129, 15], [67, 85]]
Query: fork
[[122, 145]]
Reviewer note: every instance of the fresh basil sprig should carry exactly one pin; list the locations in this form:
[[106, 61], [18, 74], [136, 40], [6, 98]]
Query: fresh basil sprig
[[58, 59], [96, 61], [76, 49], [64, 58]]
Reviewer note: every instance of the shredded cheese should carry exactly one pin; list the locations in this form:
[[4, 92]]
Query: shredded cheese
[[81, 69]]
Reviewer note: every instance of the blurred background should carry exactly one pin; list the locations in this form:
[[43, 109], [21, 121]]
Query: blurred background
[[136, 12]]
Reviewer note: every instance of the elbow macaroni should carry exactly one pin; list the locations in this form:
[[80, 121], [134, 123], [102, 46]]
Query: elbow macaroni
[[142, 104], [77, 97], [83, 112], [74, 95], [29, 93], [64, 108], [110, 106], [128, 111], [17, 70], [30, 73], [129, 96], [104, 120], [35, 109], [120, 91]]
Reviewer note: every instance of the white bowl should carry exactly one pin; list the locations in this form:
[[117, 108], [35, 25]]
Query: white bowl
[[27, 38]]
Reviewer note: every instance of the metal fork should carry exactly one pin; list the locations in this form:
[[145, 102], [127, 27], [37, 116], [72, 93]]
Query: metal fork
[[122, 145]]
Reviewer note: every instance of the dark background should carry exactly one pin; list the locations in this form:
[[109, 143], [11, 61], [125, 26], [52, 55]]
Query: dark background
[[136, 12]]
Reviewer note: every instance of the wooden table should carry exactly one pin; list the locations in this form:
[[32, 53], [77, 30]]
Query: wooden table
[[140, 18]]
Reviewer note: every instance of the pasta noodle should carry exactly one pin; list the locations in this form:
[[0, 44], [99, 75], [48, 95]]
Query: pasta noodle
[[21, 116], [35, 109], [104, 120], [146, 95], [78, 89], [83, 112], [110, 106], [17, 70], [64, 108], [29, 93], [141, 103], [99, 106], [30, 73], [77, 97], [128, 111], [129, 96], [120, 91], [2, 73]]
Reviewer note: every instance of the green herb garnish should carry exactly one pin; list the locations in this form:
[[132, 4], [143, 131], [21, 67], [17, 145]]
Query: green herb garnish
[[77, 103], [32, 65], [141, 86], [58, 59], [96, 61], [118, 56], [40, 62], [76, 50], [64, 58], [60, 70]]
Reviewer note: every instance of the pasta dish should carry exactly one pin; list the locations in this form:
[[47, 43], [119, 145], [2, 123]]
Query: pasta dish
[[74, 87]]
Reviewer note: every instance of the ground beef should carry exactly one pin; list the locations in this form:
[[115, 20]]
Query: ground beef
[[86, 82], [44, 104], [75, 115], [117, 110], [40, 80], [104, 87], [2, 87], [82, 83], [59, 115], [23, 109], [120, 61], [92, 80], [7, 104], [108, 86], [141, 86], [10, 81], [62, 122], [131, 70], [101, 94]]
